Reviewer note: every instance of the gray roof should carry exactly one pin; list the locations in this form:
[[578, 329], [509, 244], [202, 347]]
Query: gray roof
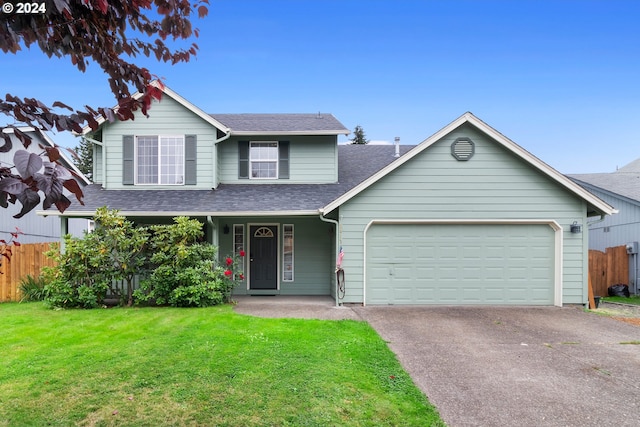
[[355, 164], [323, 123], [624, 182]]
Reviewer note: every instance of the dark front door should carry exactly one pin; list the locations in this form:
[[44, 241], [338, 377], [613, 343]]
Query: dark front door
[[263, 257]]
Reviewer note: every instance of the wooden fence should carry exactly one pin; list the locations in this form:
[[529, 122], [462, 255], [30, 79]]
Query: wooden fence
[[605, 268], [25, 259], [608, 268]]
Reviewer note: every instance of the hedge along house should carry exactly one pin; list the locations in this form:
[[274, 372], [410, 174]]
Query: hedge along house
[[465, 217]]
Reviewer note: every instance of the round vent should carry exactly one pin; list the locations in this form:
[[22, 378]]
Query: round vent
[[462, 149]]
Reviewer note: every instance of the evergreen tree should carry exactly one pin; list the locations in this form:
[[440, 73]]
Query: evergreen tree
[[83, 158], [358, 136]]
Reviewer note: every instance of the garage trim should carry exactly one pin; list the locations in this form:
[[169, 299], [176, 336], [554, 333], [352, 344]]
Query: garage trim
[[550, 222]]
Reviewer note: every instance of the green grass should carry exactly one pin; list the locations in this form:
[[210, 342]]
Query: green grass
[[633, 299], [198, 367]]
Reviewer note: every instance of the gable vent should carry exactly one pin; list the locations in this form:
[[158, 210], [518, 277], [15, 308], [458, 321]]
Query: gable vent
[[462, 149]]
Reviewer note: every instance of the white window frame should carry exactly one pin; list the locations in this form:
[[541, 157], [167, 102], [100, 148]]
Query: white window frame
[[180, 177], [288, 265], [239, 244], [253, 160]]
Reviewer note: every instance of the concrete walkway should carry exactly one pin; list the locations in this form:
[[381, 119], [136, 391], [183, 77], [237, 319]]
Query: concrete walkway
[[501, 366]]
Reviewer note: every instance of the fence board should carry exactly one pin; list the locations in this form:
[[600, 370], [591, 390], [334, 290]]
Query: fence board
[[608, 268], [25, 259]]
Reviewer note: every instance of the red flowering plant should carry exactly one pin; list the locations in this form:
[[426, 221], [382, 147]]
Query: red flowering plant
[[233, 271], [5, 246]]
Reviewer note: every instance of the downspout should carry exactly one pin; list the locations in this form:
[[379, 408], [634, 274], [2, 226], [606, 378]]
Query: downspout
[[602, 218], [104, 157], [215, 158], [336, 223]]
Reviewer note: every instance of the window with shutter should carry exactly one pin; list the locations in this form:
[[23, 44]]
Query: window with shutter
[[159, 159], [263, 159]]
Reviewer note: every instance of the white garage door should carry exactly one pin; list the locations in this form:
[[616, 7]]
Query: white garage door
[[503, 264]]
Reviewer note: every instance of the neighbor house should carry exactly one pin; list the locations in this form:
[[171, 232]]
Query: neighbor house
[[620, 189], [38, 229], [465, 217]]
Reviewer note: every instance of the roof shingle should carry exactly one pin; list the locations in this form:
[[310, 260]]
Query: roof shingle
[[355, 164], [284, 123], [625, 181]]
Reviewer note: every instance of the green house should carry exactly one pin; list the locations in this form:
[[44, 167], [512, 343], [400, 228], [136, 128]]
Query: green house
[[465, 217]]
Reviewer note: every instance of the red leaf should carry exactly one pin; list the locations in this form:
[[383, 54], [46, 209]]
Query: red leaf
[[103, 5], [60, 104], [62, 204], [53, 153], [72, 185], [8, 144]]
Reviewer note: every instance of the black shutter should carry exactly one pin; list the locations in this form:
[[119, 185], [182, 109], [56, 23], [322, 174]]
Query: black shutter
[[283, 160], [243, 159], [128, 154], [190, 155]]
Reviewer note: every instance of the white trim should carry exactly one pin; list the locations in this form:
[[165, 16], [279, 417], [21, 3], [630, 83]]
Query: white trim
[[179, 99], [84, 214], [276, 160], [599, 204], [558, 243], [293, 249], [244, 246], [248, 254], [293, 132], [159, 142]]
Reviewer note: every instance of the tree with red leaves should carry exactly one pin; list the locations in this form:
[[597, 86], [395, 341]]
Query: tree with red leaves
[[101, 31]]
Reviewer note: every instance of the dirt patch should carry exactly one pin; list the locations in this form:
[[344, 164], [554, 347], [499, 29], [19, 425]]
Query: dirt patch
[[632, 320], [626, 313]]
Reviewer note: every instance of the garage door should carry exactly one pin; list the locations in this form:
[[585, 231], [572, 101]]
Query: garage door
[[504, 264]]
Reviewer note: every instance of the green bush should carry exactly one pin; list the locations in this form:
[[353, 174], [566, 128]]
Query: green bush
[[80, 278], [173, 267], [32, 288], [188, 279], [89, 265]]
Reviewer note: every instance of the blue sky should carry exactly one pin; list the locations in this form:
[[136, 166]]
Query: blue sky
[[558, 77]]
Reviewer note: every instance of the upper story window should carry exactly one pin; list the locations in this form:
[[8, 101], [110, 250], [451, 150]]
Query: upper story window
[[160, 160], [263, 157]]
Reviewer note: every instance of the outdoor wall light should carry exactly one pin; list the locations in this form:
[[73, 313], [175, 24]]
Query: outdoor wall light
[[225, 230], [576, 228]]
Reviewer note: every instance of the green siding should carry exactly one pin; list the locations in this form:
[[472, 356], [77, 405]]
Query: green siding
[[312, 159], [97, 164], [165, 118], [313, 262], [494, 184]]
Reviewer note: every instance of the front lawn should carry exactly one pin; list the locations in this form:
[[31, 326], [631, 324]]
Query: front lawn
[[198, 367]]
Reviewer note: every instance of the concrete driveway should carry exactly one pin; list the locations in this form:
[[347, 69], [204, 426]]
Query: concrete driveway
[[499, 366], [495, 366]]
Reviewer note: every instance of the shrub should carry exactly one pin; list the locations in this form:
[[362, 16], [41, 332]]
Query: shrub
[[32, 288], [81, 277], [183, 271], [190, 279], [174, 268]]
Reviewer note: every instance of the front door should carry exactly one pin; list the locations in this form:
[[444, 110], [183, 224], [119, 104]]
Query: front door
[[263, 257]]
